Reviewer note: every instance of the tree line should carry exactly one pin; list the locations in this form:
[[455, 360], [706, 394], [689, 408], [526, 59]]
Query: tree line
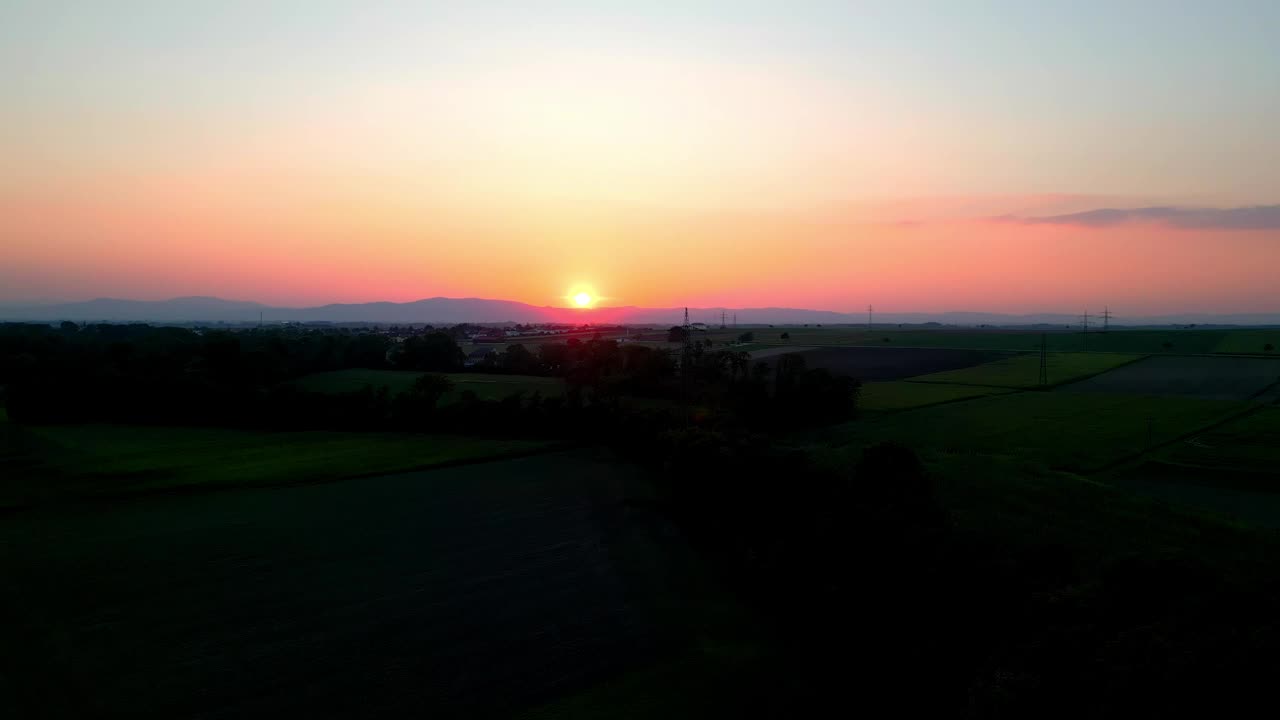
[[144, 374]]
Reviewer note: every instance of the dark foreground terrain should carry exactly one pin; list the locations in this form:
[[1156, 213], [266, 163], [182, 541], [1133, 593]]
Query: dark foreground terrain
[[466, 592]]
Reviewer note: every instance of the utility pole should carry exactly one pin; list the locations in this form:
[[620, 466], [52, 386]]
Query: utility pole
[[1044, 361], [686, 359]]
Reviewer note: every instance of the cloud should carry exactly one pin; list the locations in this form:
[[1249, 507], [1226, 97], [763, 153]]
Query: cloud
[[1257, 217]]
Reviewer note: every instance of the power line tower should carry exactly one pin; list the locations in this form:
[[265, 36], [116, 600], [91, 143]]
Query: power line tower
[[686, 349], [722, 325], [1106, 319], [735, 321], [1044, 361], [870, 310], [1084, 323]]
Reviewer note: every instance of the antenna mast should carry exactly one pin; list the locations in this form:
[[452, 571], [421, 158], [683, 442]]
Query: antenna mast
[[686, 358]]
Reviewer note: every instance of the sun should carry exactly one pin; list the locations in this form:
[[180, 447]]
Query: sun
[[582, 299]]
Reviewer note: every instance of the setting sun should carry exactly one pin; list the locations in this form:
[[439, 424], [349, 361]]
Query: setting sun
[[582, 299]]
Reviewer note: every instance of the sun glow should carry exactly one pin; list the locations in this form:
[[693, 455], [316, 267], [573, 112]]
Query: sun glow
[[582, 299]]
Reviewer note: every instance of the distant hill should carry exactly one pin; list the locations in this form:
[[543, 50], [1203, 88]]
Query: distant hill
[[441, 310]]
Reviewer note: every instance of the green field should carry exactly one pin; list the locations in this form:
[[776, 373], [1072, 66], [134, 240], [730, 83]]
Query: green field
[[1023, 371], [79, 460], [1242, 454], [1251, 342], [485, 386], [1076, 432], [902, 395]]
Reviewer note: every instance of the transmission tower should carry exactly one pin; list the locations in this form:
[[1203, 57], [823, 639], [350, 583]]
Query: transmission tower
[[870, 310], [1044, 361], [722, 326], [1084, 323], [1106, 319]]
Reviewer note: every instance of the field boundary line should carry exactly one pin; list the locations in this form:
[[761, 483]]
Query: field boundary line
[[950, 401], [200, 489], [1139, 455], [1050, 386]]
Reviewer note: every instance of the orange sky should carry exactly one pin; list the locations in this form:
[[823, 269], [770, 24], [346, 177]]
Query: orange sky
[[656, 156]]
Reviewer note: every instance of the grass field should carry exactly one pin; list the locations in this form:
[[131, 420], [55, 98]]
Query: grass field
[[1243, 454], [1023, 371], [1068, 431], [902, 395], [485, 386], [1221, 378], [93, 460], [1253, 342], [473, 591]]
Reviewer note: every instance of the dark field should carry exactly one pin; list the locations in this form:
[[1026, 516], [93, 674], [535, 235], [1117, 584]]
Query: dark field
[[60, 461], [486, 386], [1218, 378], [888, 363], [1251, 341], [488, 588], [1023, 371]]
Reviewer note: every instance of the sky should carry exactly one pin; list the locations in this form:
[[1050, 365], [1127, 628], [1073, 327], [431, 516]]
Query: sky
[[921, 156]]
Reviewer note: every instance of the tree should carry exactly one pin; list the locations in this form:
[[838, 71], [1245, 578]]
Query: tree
[[786, 336], [747, 337], [1268, 347], [517, 359], [676, 334], [434, 351]]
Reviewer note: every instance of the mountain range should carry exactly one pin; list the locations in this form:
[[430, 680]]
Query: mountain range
[[441, 310]]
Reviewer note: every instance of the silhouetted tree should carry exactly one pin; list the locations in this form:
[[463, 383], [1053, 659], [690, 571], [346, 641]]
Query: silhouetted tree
[[434, 351]]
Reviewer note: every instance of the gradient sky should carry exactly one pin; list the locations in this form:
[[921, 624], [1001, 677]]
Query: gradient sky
[[809, 154]]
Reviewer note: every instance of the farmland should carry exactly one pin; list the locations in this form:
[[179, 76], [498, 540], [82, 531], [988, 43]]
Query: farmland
[[1066, 431], [902, 395], [460, 592], [1220, 378], [485, 386], [1142, 342], [96, 460], [169, 571], [1023, 371], [887, 363]]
